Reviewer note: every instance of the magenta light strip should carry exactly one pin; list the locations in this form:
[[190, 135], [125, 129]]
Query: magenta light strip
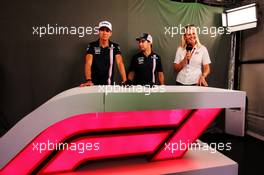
[[90, 123]]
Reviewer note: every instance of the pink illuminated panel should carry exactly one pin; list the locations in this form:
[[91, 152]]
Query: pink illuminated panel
[[148, 133], [110, 146], [187, 133]]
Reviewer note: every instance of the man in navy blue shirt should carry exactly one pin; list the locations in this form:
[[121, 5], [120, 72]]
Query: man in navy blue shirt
[[101, 57], [146, 67]]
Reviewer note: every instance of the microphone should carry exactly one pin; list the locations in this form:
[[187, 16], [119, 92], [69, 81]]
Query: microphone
[[189, 48]]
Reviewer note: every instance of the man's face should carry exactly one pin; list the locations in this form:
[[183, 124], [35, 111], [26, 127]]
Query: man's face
[[143, 44], [105, 33], [190, 36]]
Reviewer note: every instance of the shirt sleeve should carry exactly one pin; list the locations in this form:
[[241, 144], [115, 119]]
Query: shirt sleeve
[[179, 55], [90, 49], [117, 50], [205, 58], [159, 65]]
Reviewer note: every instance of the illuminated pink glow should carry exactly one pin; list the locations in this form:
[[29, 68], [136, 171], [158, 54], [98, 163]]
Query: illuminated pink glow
[[87, 123], [110, 146], [188, 133]]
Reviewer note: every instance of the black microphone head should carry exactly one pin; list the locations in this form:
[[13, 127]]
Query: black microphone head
[[189, 48]]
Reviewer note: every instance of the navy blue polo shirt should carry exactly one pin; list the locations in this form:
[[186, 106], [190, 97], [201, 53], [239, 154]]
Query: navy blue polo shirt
[[145, 68], [102, 70]]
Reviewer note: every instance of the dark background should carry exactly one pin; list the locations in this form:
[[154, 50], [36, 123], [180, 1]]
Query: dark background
[[34, 69]]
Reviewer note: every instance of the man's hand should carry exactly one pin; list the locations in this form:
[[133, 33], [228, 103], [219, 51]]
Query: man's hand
[[88, 83], [121, 67], [127, 83]]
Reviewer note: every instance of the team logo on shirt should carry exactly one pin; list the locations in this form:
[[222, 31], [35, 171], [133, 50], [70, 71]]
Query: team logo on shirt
[[118, 48], [111, 47], [88, 48], [154, 57], [140, 60], [97, 50]]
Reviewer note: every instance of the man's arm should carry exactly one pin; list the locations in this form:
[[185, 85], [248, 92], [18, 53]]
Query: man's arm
[[88, 72], [121, 67], [131, 75], [161, 78], [159, 69], [88, 66]]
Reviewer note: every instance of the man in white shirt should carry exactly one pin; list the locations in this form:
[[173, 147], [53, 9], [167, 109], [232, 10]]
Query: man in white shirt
[[192, 60]]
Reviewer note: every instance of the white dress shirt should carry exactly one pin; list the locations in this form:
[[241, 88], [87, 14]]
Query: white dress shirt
[[191, 73]]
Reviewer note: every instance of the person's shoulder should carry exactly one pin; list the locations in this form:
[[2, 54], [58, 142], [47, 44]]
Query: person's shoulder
[[138, 54], [94, 43], [113, 44], [91, 46], [202, 47], [155, 55]]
